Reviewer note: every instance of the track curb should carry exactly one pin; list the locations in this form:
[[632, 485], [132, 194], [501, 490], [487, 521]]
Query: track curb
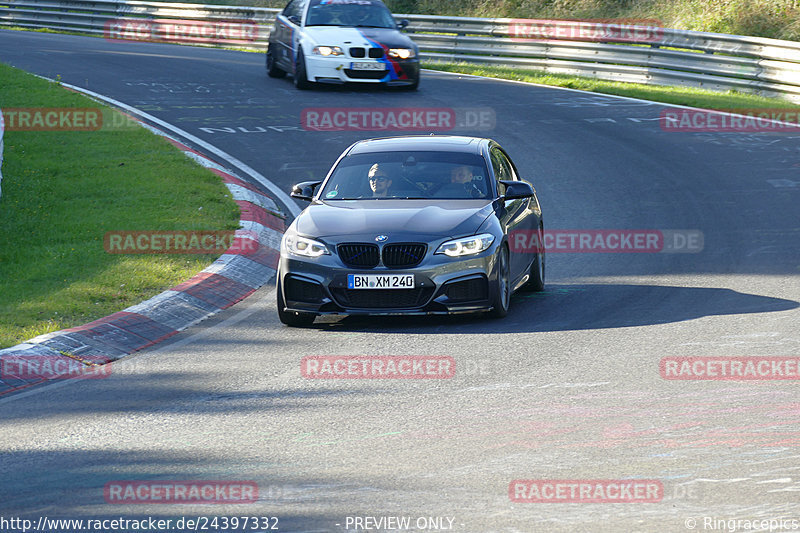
[[230, 279]]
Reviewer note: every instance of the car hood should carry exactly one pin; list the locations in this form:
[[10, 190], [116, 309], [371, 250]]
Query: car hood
[[398, 219], [345, 37]]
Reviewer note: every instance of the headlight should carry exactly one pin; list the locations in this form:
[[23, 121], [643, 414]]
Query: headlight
[[401, 53], [297, 245], [328, 50], [466, 245]]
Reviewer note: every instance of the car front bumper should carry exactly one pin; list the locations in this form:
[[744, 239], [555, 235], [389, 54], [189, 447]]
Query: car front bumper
[[337, 70], [443, 285]]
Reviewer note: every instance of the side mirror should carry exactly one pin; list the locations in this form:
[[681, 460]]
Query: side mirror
[[403, 24], [294, 19], [517, 189], [304, 190]]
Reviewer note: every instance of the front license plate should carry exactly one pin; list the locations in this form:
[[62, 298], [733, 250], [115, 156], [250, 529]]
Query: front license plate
[[380, 281], [363, 65]]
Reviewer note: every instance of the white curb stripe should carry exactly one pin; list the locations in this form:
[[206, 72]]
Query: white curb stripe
[[246, 195]]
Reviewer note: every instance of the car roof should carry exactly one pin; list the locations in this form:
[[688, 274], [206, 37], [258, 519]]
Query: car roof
[[309, 3], [420, 143]]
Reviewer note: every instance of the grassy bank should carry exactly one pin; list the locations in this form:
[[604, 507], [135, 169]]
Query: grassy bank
[[63, 190], [779, 19]]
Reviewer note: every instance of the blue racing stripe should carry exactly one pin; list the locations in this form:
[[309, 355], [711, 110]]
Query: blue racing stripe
[[394, 66]]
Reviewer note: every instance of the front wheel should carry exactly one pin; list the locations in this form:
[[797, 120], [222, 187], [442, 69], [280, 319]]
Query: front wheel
[[300, 76], [293, 319], [535, 281], [502, 286], [273, 71], [413, 87]]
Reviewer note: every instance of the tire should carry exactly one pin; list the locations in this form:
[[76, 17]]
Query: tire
[[502, 290], [413, 87], [292, 319], [273, 71], [300, 77], [535, 282]]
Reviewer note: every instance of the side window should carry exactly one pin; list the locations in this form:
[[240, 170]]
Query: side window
[[512, 172], [295, 8], [502, 169]]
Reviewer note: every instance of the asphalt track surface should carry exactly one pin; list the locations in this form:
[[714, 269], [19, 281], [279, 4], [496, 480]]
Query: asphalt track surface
[[566, 387]]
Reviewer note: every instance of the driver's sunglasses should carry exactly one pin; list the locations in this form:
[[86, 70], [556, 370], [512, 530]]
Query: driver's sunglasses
[[378, 178]]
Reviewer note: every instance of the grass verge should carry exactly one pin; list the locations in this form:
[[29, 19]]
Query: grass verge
[[660, 93], [63, 190]]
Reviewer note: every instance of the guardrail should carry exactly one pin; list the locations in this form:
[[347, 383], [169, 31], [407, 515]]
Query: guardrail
[[769, 67]]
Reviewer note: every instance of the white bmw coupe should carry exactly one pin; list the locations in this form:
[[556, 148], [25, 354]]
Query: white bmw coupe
[[340, 41]]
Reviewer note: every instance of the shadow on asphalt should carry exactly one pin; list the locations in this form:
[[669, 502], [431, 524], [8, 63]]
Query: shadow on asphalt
[[577, 307], [79, 477]]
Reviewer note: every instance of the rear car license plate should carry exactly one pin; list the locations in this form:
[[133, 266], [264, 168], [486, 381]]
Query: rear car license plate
[[380, 281], [367, 65]]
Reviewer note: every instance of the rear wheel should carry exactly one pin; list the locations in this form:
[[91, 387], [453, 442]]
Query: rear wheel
[[300, 76], [291, 318], [273, 71], [502, 287]]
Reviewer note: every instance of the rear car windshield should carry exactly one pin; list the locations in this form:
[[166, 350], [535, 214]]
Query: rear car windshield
[[358, 13], [410, 175]]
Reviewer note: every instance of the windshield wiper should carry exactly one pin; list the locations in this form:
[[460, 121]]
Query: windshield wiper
[[380, 198]]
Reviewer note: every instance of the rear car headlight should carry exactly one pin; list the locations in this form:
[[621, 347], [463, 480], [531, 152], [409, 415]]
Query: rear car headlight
[[401, 53], [466, 245], [294, 244], [328, 50]]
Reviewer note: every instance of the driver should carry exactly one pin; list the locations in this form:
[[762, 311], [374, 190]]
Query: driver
[[361, 15], [379, 181]]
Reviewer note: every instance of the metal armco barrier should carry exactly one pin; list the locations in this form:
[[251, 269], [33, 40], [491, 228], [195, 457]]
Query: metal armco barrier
[[2, 130], [769, 67]]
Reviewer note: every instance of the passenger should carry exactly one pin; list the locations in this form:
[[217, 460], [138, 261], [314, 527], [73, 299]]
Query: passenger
[[461, 185], [462, 174]]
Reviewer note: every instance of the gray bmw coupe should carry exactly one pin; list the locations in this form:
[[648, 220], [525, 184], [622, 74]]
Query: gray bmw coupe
[[411, 225]]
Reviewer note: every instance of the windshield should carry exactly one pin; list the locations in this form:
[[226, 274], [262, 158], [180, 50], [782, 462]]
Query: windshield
[[359, 13], [408, 175]]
